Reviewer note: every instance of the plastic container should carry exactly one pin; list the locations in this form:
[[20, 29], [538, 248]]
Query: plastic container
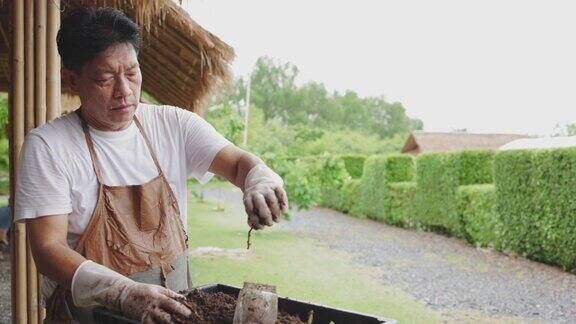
[[322, 314]]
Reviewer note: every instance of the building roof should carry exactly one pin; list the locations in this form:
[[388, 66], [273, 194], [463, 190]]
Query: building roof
[[182, 63], [540, 143], [421, 142]]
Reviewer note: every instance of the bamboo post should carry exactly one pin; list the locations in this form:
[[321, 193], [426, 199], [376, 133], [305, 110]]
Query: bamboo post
[[40, 62], [29, 64], [53, 89], [29, 100], [18, 237]]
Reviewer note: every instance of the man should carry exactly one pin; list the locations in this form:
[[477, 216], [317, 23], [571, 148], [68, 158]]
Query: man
[[103, 190]]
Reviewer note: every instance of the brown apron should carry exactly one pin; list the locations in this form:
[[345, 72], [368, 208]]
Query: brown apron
[[135, 230]]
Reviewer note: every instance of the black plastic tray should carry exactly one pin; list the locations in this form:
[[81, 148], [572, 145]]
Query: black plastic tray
[[322, 314]]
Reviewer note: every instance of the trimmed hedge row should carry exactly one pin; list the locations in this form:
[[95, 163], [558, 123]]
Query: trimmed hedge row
[[400, 204], [435, 201], [378, 171], [439, 176], [475, 167], [521, 201], [354, 164], [536, 204], [476, 212]]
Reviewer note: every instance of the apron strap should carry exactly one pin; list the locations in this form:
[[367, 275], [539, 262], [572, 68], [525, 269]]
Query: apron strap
[[152, 153], [91, 148]]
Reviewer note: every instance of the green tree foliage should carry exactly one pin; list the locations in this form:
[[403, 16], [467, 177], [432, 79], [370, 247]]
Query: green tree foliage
[[225, 120], [274, 91]]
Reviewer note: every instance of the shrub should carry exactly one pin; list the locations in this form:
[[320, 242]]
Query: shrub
[[400, 202], [518, 216], [476, 211], [437, 182], [379, 170], [475, 167], [354, 165], [350, 196], [536, 204]]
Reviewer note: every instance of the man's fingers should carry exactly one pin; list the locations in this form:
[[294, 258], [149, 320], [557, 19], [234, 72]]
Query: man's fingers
[[254, 222], [273, 206], [282, 198], [175, 307], [248, 204], [264, 213], [157, 316]]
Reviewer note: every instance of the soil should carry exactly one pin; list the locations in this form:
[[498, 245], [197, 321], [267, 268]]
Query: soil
[[219, 308]]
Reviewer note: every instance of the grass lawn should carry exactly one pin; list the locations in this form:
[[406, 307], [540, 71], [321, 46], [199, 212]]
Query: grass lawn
[[300, 268]]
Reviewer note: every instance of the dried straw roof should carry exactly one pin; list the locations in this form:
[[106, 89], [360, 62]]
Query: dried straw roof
[[182, 63], [423, 142]]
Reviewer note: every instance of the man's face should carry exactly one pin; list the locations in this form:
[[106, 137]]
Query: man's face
[[109, 87]]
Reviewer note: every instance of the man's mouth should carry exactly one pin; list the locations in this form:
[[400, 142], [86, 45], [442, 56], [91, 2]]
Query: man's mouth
[[121, 107]]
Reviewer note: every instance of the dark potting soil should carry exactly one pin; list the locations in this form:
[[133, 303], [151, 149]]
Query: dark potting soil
[[218, 308]]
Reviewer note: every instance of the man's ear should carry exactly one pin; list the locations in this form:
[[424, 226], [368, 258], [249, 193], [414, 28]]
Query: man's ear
[[71, 78]]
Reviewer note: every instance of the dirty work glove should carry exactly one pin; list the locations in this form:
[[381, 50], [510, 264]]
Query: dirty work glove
[[94, 284], [264, 197]]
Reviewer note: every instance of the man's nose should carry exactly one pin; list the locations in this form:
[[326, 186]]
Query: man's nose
[[122, 88]]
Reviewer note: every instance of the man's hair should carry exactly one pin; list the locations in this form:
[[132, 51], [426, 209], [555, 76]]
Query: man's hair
[[86, 32]]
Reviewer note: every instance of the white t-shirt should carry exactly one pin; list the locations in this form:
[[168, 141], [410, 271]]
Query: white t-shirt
[[56, 174]]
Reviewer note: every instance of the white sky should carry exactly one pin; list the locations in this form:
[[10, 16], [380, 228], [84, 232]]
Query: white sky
[[487, 65]]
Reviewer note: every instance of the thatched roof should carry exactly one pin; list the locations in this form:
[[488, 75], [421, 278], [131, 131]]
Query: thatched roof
[[423, 142], [182, 63]]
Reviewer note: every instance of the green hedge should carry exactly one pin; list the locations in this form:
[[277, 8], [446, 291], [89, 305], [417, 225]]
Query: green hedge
[[400, 204], [475, 167], [354, 165], [438, 177], [476, 211], [536, 204], [399, 168], [379, 170], [349, 196], [518, 216], [437, 182]]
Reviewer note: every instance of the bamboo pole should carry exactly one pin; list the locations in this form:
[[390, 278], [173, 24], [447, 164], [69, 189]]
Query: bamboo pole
[[29, 65], [17, 94], [40, 62], [53, 90], [38, 65]]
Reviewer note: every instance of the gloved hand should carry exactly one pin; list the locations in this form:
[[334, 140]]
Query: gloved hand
[[94, 284], [264, 197]]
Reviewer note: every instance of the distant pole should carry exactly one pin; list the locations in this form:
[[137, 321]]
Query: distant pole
[[247, 112]]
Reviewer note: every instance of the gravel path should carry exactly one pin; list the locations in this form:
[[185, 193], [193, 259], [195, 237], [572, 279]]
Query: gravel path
[[445, 273]]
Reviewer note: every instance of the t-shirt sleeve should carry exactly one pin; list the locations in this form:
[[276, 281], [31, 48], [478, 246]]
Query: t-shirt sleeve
[[202, 143], [42, 187]]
